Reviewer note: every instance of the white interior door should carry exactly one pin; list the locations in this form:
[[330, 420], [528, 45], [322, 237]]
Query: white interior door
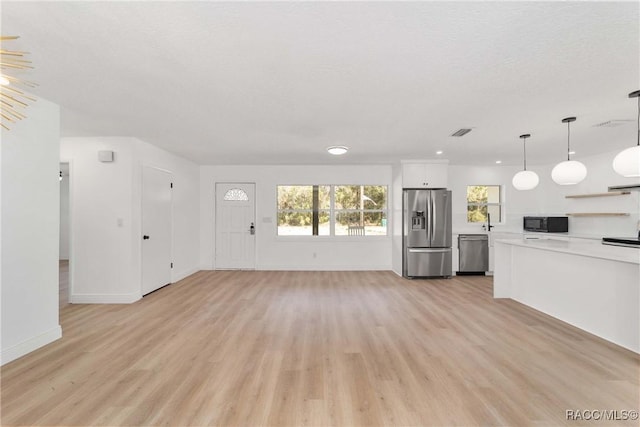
[[156, 229], [235, 226]]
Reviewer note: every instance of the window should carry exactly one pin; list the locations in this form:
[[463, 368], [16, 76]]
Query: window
[[236, 195], [332, 210], [483, 200], [303, 210]]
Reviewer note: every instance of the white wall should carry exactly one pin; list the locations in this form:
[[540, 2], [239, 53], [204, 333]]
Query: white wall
[[106, 216], [396, 225], [64, 218], [102, 265], [30, 222], [295, 253], [548, 198]]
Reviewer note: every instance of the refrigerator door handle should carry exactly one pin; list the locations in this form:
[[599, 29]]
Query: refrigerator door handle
[[427, 250], [434, 218], [429, 227]]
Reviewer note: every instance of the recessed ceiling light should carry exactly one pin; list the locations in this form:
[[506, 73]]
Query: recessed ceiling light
[[337, 150], [498, 162], [439, 152]]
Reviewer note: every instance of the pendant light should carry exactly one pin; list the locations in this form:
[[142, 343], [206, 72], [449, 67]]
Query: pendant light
[[627, 162], [570, 171], [525, 180]]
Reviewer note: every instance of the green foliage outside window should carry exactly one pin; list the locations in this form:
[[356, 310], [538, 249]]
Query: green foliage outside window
[[483, 200], [353, 205]]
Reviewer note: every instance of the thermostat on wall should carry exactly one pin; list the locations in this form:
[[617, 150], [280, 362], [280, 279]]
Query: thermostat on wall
[[105, 156]]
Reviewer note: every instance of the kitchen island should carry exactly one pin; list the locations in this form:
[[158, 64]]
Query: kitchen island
[[591, 286]]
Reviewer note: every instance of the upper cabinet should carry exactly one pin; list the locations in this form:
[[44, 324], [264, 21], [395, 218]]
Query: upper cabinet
[[424, 174]]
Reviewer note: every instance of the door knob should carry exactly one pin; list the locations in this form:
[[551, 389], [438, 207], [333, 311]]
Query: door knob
[[145, 237], [252, 229]]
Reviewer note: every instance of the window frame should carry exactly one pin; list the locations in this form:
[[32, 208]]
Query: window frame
[[500, 204], [333, 212]]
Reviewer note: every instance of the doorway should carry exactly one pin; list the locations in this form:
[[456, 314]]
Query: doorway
[[64, 290], [235, 226], [157, 228]]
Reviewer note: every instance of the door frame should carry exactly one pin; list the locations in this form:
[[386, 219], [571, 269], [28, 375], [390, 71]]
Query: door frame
[[215, 219], [140, 226]]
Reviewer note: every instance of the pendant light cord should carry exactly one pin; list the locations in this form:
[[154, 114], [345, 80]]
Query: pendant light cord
[[524, 150], [568, 140]]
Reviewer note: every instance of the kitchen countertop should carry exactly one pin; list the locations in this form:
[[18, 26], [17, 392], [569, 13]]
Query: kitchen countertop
[[584, 248]]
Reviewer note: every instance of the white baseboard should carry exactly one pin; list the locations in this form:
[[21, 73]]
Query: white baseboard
[[29, 345], [317, 267], [179, 276], [104, 298]]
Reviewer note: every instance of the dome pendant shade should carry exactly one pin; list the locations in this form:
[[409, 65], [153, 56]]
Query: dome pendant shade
[[627, 162], [569, 172], [525, 180]]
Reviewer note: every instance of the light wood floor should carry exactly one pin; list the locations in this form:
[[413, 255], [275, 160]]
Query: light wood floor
[[317, 348]]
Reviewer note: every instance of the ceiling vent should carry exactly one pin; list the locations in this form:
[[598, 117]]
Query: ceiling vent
[[612, 123], [461, 132]]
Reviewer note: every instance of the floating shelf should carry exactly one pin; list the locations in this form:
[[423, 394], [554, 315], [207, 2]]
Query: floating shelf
[[598, 214], [611, 193]]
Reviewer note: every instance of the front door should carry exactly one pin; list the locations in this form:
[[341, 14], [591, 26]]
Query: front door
[[235, 226], [156, 229]]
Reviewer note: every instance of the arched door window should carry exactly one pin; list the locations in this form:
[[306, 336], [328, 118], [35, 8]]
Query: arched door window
[[236, 195]]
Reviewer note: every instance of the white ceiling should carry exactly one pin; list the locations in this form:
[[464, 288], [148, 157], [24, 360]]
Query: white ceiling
[[276, 83]]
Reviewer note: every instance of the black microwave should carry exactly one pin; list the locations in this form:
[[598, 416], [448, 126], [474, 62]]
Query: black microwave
[[546, 224]]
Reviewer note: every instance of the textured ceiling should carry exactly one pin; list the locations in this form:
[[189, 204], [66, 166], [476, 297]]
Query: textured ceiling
[[276, 83]]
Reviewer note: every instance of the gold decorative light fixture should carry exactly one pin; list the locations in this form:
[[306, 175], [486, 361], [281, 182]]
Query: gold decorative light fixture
[[13, 101]]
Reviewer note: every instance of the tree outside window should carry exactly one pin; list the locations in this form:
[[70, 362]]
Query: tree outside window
[[323, 210], [483, 200]]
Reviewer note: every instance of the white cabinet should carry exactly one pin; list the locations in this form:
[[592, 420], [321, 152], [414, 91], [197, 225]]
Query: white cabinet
[[424, 175]]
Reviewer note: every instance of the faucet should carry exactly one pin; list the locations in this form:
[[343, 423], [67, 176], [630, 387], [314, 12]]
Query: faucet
[[489, 226]]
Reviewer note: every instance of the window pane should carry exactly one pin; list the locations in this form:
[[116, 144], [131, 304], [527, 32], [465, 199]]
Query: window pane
[[375, 223], [295, 197], [347, 196], [346, 219], [324, 196], [477, 214], [375, 197], [294, 224], [324, 223], [494, 210], [477, 194], [493, 194]]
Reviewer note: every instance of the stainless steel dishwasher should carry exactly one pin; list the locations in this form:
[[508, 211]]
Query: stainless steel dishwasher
[[473, 253]]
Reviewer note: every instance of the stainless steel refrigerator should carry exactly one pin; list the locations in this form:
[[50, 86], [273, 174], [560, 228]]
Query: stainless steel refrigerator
[[426, 233]]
